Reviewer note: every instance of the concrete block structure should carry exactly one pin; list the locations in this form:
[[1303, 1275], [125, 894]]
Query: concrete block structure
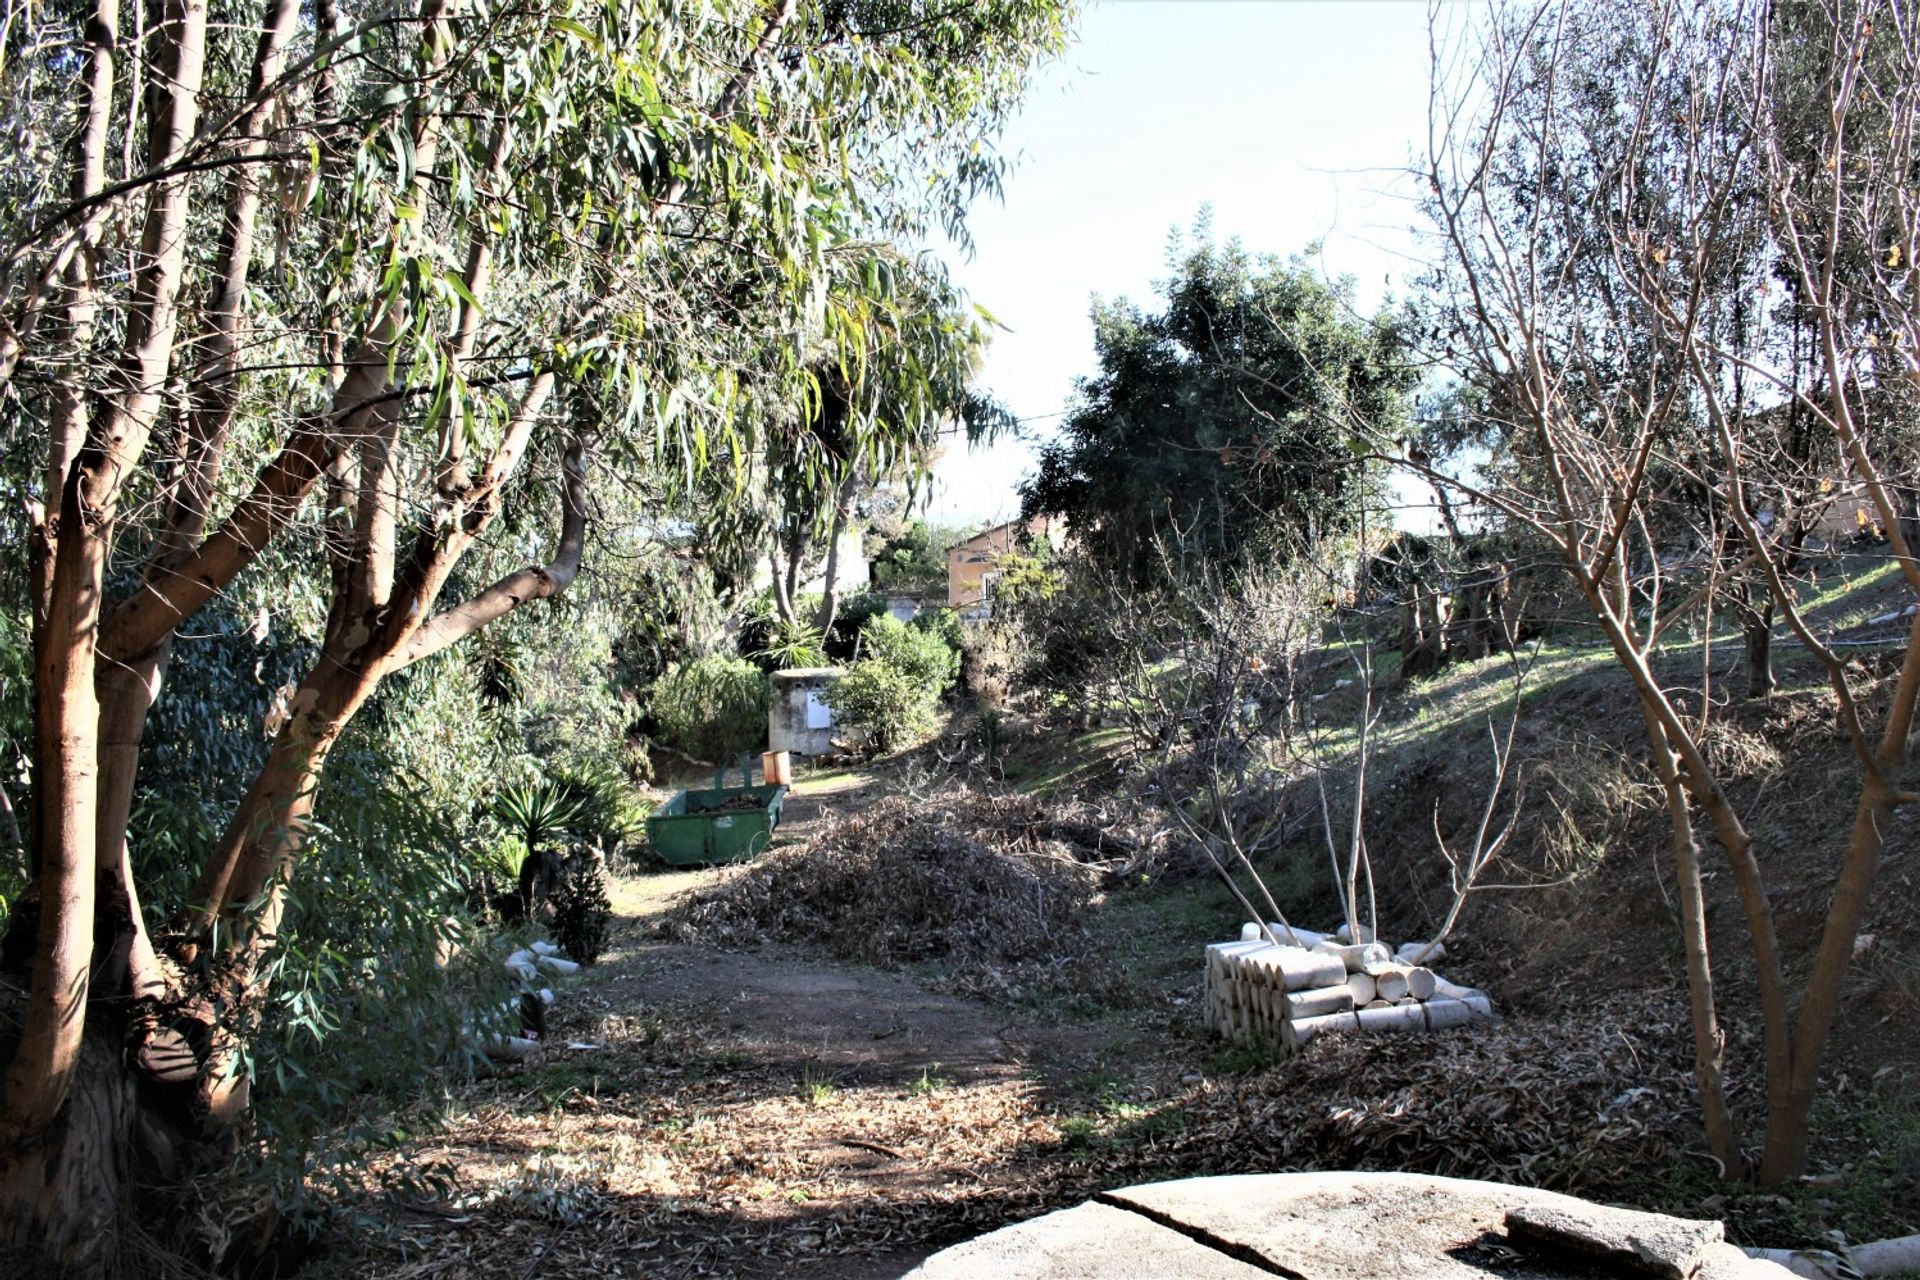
[[800, 721]]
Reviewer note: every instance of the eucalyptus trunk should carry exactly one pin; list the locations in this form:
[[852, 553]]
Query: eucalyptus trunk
[[843, 500], [66, 1191]]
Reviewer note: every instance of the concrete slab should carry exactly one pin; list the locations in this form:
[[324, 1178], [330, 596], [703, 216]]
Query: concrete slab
[[1619, 1240], [1090, 1242], [1360, 1226]]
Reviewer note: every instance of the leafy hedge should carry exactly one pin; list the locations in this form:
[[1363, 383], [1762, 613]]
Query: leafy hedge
[[713, 709], [889, 697], [923, 656]]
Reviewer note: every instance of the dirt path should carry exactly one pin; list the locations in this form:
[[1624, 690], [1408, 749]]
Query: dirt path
[[782, 1010], [760, 1113]]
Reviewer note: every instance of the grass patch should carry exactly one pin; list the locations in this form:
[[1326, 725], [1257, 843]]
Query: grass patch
[[1155, 933], [816, 1088], [828, 780], [1833, 599], [1071, 761], [1119, 1125], [1242, 1058]]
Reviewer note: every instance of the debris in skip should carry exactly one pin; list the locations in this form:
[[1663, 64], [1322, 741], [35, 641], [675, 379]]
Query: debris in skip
[[1287, 985]]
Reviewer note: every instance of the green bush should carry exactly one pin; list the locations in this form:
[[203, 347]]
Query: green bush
[[714, 709], [788, 645], [944, 623], [609, 813], [887, 707], [361, 1019], [772, 643], [923, 655], [888, 697]]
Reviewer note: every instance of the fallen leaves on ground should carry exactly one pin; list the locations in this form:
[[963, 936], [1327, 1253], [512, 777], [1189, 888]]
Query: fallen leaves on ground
[[661, 1155]]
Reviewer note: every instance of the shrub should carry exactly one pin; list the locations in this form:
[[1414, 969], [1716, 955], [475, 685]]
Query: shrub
[[884, 705], [363, 1019], [1059, 642], [580, 907], [944, 623], [922, 655], [590, 810], [714, 709], [888, 697], [537, 814], [1022, 578], [788, 645], [608, 813]]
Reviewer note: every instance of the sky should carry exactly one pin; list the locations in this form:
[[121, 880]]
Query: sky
[[1293, 119]]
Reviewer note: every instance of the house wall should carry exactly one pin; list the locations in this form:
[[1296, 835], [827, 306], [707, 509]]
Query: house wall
[[969, 562]]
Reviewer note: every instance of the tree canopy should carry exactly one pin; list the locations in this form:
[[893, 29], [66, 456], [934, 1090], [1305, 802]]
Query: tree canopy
[[1218, 424], [447, 267]]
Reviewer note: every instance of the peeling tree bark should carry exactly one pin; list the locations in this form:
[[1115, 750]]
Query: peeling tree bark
[[73, 1032], [65, 1108]]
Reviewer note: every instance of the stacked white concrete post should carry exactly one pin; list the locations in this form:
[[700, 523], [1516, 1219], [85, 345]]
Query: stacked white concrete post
[[1305, 984], [533, 964]]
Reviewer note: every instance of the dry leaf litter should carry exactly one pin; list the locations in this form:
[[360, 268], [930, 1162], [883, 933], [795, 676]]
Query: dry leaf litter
[[666, 1154], [993, 889]]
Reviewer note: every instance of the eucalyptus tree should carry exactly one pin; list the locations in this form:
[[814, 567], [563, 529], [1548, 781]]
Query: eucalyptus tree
[[344, 277], [878, 399]]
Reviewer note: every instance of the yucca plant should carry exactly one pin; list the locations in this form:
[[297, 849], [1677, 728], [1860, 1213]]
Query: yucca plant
[[793, 644], [542, 814]]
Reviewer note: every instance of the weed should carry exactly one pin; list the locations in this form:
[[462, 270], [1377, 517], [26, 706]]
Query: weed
[[724, 1060], [1096, 1084], [930, 1082], [1078, 1131], [1121, 1124], [1165, 1120], [561, 1078], [817, 1088]]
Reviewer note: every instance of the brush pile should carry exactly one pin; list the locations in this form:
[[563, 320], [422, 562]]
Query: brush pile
[[991, 888], [1285, 986]]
